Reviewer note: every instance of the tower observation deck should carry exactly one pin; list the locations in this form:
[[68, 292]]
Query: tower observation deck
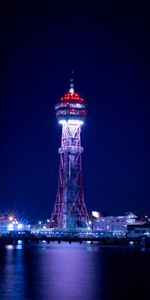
[[70, 210]]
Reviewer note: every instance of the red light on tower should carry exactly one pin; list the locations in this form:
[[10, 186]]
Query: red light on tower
[[71, 97]]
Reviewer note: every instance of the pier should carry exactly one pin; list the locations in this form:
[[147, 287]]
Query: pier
[[103, 241]]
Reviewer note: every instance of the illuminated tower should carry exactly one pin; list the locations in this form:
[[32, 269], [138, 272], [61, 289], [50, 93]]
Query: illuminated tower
[[70, 210]]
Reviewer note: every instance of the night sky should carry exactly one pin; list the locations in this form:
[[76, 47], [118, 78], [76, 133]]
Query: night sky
[[108, 47]]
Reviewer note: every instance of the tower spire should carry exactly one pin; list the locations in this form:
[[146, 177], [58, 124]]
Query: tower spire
[[71, 90]]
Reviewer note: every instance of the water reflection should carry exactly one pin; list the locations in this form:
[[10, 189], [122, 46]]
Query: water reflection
[[71, 270], [12, 274], [75, 272], [48, 272]]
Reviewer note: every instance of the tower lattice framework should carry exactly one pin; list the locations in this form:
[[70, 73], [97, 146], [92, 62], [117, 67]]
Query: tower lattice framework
[[70, 209]]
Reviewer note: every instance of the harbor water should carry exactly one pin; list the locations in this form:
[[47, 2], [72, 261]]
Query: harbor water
[[73, 272]]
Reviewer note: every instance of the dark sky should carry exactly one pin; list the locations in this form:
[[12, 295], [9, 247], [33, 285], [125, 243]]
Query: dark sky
[[108, 46]]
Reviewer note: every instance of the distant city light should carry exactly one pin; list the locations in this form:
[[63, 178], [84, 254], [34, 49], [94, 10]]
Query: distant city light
[[131, 243], [40, 222], [147, 233], [95, 214], [20, 226], [10, 227], [10, 218]]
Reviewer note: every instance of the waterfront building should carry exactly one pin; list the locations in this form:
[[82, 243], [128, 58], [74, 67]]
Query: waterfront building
[[138, 230], [115, 225]]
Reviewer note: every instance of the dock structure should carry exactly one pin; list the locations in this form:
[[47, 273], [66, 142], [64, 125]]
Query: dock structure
[[103, 241]]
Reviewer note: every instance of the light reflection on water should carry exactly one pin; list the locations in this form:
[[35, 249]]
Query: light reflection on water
[[75, 272]]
